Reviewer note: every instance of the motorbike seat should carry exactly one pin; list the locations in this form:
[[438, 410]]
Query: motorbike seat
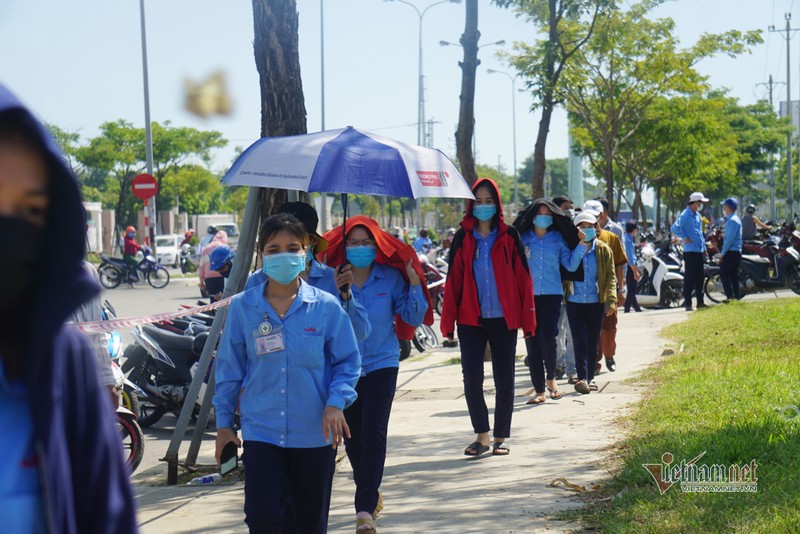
[[755, 259], [168, 341]]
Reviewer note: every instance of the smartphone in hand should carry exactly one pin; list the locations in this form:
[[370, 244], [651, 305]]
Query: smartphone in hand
[[229, 459]]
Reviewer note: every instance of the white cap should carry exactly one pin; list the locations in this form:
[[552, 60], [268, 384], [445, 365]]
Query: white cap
[[697, 197], [584, 216], [594, 207]]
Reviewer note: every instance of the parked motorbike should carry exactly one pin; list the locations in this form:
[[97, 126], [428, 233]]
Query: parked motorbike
[[658, 285], [129, 429], [435, 279], [128, 391], [114, 271], [162, 364], [758, 274]]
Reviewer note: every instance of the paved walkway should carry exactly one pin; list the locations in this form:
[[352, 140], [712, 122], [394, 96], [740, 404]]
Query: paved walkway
[[429, 486]]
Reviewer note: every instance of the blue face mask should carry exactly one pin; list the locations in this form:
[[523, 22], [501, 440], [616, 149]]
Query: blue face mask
[[131, 234], [484, 212], [309, 253], [543, 221], [361, 257], [590, 234], [284, 267]]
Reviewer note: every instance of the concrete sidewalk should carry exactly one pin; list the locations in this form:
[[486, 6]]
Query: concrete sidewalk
[[429, 485]]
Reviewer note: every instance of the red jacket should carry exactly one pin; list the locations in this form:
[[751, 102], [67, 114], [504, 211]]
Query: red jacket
[[391, 252], [131, 246], [514, 284]]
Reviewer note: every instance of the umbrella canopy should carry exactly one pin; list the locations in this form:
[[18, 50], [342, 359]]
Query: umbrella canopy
[[348, 160]]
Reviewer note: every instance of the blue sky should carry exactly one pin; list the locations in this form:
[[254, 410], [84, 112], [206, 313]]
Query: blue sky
[[78, 64]]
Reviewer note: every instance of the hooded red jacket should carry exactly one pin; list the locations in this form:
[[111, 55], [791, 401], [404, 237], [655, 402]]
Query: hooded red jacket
[[514, 284], [391, 252]]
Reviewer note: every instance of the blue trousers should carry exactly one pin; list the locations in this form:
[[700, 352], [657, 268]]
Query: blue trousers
[[542, 347], [503, 343], [729, 273], [693, 277], [368, 419], [310, 474], [585, 321]]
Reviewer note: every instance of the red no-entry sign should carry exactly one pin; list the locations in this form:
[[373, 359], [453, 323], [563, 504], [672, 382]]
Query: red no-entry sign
[[144, 186]]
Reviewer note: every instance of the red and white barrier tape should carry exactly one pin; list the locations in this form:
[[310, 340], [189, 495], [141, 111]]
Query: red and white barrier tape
[[96, 327]]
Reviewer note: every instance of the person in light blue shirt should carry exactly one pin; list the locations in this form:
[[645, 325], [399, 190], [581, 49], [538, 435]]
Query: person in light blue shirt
[[632, 270], [294, 346], [320, 275], [547, 252], [689, 226], [484, 275], [423, 244], [731, 249], [384, 293]]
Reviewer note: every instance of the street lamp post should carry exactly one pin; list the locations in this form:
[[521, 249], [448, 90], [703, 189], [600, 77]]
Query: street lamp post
[[513, 122], [421, 87], [148, 133]]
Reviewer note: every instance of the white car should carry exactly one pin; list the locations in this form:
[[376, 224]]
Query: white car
[[168, 249]]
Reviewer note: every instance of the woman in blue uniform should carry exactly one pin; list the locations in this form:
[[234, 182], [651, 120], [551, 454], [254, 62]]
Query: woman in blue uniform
[[294, 347]]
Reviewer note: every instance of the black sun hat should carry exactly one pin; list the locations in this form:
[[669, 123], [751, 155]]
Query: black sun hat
[[307, 215]]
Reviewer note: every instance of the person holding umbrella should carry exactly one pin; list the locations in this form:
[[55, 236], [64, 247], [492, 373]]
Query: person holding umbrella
[[387, 279], [490, 295], [543, 227], [294, 347]]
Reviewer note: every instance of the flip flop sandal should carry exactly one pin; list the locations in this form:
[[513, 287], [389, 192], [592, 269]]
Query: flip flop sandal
[[535, 400], [500, 449], [477, 449], [366, 521], [555, 394], [378, 507]]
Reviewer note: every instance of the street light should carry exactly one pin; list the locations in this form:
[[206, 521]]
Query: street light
[[513, 122], [501, 42], [148, 134], [420, 97]]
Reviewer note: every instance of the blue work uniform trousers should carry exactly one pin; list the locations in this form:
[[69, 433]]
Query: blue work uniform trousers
[[693, 277], [368, 419], [729, 273], [309, 473], [631, 285], [585, 321], [542, 347], [503, 344]]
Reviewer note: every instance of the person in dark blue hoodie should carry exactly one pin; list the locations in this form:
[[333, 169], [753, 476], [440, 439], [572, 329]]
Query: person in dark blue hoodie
[[61, 462]]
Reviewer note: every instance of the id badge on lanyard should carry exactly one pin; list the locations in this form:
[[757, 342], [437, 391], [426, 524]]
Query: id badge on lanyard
[[268, 337]]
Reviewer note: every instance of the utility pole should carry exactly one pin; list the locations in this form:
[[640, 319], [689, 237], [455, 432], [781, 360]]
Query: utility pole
[[790, 177], [769, 85]]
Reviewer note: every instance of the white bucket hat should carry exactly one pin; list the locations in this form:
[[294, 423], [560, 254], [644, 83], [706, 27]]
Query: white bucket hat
[[584, 216]]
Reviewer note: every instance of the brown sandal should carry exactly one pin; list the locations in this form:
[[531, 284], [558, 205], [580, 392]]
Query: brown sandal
[[538, 399]]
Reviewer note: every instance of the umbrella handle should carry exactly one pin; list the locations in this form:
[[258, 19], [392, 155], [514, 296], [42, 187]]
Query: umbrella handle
[[344, 236]]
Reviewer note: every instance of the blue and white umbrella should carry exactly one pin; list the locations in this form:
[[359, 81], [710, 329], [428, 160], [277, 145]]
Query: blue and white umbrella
[[348, 160]]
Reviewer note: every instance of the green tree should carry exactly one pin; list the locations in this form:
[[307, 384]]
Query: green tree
[[616, 77], [197, 189], [556, 178], [568, 25]]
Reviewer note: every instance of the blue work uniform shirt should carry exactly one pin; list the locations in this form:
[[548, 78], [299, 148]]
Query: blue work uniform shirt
[[733, 234], [422, 245], [690, 225], [385, 294], [630, 250], [483, 271], [288, 389], [323, 277], [545, 255], [21, 505], [586, 291]]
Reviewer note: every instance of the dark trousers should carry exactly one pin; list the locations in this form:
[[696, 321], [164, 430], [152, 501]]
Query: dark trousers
[[542, 347], [310, 475], [585, 321], [368, 419], [693, 277], [503, 344], [631, 284], [729, 273]]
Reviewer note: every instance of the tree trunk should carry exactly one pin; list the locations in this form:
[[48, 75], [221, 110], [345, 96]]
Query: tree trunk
[[466, 111], [283, 109], [658, 209], [609, 176], [539, 154]]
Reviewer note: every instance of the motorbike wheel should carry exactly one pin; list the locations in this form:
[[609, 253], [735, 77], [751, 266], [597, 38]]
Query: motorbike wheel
[[671, 294], [405, 349], [425, 338], [439, 303], [149, 413], [132, 440], [110, 276], [794, 280], [713, 288], [158, 277], [130, 400]]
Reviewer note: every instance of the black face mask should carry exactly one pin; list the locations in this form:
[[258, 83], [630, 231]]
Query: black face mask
[[18, 270]]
